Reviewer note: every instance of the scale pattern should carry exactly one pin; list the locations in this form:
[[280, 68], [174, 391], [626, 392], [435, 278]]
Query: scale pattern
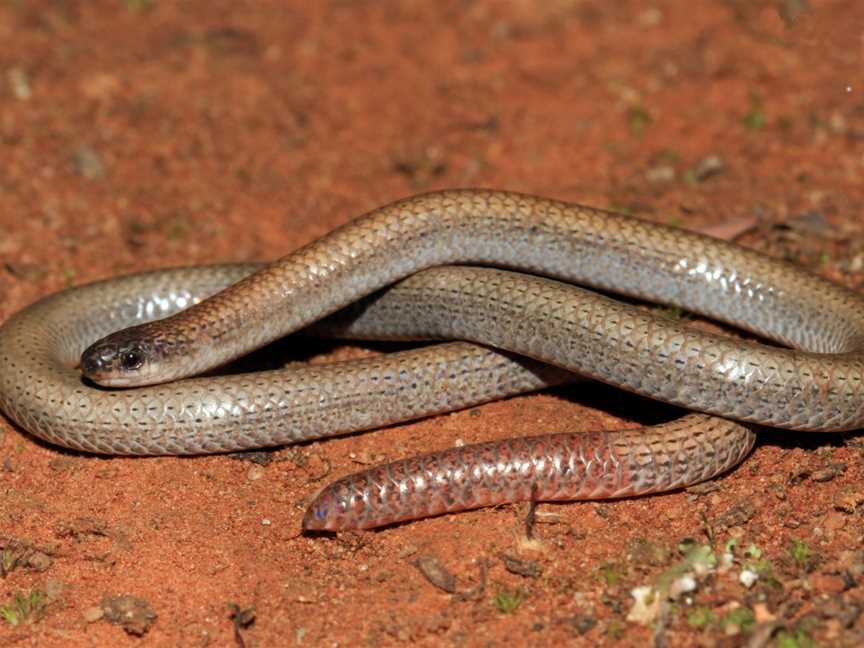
[[816, 385]]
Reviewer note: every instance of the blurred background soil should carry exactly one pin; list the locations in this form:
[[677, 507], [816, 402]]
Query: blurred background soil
[[139, 134]]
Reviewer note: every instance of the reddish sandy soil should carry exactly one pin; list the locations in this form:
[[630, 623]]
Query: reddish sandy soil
[[142, 134]]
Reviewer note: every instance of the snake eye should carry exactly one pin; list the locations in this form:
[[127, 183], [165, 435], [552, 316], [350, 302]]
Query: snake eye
[[132, 359]]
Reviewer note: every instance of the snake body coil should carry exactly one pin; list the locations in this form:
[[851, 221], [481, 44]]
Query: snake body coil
[[815, 386]]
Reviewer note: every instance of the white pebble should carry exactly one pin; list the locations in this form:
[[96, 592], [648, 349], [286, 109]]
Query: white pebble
[[748, 577]]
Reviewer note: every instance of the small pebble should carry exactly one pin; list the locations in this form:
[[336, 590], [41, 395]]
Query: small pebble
[[658, 174], [646, 605], [132, 613], [748, 578], [709, 167], [682, 585], [828, 473], [407, 550], [19, 82], [93, 614], [39, 561], [848, 501], [526, 568]]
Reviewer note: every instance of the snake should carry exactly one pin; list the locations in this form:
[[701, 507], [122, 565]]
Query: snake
[[511, 293]]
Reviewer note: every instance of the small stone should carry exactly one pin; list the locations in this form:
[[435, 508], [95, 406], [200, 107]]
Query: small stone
[[62, 464], [19, 82], [39, 561], [739, 514], [708, 167], [581, 623], [798, 475], [259, 457], [646, 605], [828, 473], [849, 501], [255, 473], [93, 614], [660, 174], [748, 577], [779, 491], [737, 532], [134, 614], [365, 458], [682, 585], [526, 568], [407, 550]]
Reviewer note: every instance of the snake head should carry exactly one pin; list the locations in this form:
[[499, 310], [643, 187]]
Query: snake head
[[122, 359]]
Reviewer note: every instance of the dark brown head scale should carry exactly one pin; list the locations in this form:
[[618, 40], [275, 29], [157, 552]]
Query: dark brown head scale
[[123, 359]]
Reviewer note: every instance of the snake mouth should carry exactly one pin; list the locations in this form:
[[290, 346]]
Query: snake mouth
[[108, 381]]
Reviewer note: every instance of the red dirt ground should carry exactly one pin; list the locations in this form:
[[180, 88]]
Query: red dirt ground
[[140, 134]]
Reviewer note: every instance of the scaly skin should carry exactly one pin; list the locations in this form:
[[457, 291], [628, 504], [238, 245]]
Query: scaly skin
[[818, 386], [580, 466], [41, 388]]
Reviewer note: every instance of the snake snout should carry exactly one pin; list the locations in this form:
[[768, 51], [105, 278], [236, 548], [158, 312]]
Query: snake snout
[[95, 360]]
